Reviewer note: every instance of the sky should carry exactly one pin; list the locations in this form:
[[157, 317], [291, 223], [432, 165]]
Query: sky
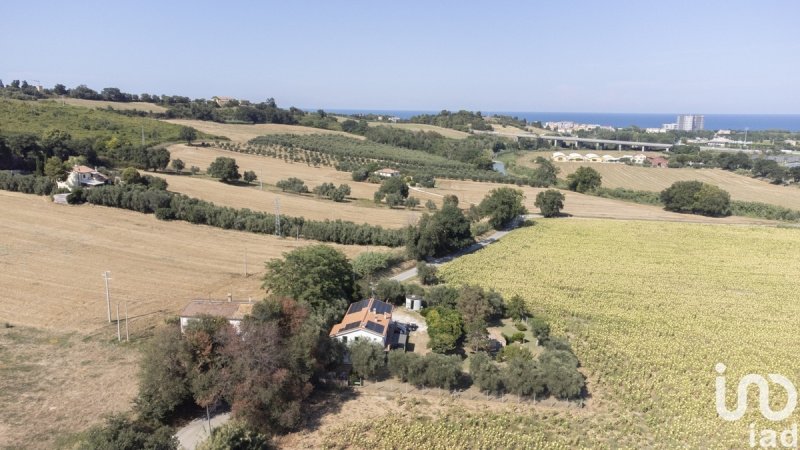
[[724, 57]]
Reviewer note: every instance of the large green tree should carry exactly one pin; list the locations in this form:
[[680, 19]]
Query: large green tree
[[225, 169], [502, 205], [445, 328], [443, 232], [584, 179], [368, 358], [188, 134], [318, 275]]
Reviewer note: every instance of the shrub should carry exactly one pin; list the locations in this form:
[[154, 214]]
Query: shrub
[[697, 198], [292, 184], [550, 202], [520, 326]]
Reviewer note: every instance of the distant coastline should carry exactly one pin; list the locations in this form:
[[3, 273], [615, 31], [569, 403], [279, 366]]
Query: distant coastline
[[790, 122]]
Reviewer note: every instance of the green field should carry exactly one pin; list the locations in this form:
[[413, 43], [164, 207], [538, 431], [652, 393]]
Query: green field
[[18, 117], [650, 308]]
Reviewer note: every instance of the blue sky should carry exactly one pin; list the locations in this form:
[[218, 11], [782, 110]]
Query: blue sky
[[609, 56]]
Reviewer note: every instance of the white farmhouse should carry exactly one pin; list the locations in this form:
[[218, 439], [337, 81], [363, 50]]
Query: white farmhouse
[[233, 311], [387, 173], [83, 176], [368, 319]]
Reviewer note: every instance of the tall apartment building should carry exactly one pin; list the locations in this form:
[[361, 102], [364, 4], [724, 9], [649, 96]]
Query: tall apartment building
[[691, 122]]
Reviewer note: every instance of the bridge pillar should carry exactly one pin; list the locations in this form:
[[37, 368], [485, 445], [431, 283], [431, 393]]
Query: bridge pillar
[[597, 146], [643, 148], [619, 147]]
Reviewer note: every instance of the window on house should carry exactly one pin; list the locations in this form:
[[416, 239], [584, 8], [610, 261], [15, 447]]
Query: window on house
[[344, 339]]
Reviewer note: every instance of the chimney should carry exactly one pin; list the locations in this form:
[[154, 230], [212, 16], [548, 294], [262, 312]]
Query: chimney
[[230, 297]]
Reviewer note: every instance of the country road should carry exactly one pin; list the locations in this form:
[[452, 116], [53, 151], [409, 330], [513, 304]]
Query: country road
[[196, 431], [496, 236]]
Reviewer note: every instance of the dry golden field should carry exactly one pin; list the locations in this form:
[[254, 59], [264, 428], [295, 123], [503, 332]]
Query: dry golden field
[[578, 205], [141, 106], [244, 132], [271, 170], [52, 257], [53, 385], [656, 179], [583, 206], [307, 205], [446, 132]]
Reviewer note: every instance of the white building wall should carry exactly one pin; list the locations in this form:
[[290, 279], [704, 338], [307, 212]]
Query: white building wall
[[359, 335]]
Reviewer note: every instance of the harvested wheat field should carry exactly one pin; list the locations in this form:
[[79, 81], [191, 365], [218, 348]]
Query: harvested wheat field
[[307, 205], [584, 206], [52, 257], [53, 385], [656, 179], [271, 170], [102, 104], [245, 132], [446, 132]]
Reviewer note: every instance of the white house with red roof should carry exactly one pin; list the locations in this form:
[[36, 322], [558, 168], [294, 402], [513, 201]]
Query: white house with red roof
[[83, 176], [368, 319]]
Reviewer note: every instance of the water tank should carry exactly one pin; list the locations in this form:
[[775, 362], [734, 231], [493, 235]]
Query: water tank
[[417, 305], [409, 303]]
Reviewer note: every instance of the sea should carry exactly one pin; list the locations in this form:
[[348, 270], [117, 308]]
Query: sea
[[788, 122]]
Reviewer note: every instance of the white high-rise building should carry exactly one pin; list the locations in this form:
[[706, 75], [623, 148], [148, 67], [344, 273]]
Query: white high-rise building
[[691, 122]]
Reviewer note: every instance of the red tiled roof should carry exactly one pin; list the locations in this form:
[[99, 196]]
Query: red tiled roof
[[228, 310], [368, 315]]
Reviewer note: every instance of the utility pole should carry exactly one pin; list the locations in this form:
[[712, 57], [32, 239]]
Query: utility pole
[[127, 336], [142, 136], [108, 297], [261, 179], [745, 137], [119, 334], [245, 262]]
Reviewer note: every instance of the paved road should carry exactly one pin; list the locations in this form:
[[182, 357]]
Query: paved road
[[196, 431], [411, 273]]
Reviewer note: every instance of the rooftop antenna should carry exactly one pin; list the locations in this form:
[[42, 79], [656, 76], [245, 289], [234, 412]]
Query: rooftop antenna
[[278, 217]]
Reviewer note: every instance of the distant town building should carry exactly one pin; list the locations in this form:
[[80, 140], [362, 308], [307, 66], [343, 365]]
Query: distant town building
[[566, 126], [655, 130], [669, 126], [691, 122]]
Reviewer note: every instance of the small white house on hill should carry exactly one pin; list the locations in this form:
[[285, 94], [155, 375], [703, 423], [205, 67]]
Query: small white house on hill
[[387, 173], [83, 176], [368, 319]]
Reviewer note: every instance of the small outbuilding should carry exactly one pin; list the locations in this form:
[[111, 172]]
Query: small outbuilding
[[387, 173]]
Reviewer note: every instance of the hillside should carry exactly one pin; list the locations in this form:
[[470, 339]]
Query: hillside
[[245, 132], [656, 179], [102, 104], [157, 266], [81, 122]]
